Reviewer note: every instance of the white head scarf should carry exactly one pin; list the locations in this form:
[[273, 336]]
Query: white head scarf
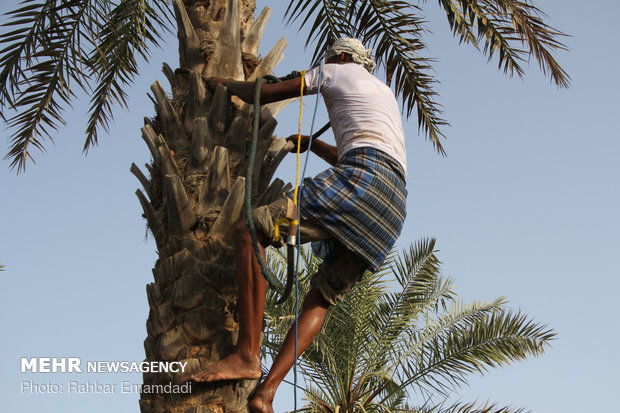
[[356, 49]]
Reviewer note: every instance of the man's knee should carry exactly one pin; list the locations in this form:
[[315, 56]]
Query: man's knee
[[315, 298], [338, 273]]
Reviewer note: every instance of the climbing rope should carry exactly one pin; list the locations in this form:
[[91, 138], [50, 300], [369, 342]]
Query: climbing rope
[[265, 270], [301, 184]]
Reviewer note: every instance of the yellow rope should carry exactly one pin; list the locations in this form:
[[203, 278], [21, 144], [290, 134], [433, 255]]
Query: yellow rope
[[301, 111]]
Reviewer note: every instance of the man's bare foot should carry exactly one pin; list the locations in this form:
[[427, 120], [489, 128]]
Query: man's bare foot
[[262, 400], [232, 367]]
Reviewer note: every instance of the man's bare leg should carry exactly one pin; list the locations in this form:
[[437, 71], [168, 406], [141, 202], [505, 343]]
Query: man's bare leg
[[244, 361], [310, 321]]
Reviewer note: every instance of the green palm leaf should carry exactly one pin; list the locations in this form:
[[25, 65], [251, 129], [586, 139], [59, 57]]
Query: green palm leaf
[[128, 31], [54, 48], [512, 29], [42, 39]]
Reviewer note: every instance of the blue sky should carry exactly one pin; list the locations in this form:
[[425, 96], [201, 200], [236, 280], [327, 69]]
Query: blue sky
[[525, 206]]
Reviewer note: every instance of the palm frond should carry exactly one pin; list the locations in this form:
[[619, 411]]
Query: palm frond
[[53, 48], [460, 316], [411, 348], [512, 29], [496, 338], [331, 386], [417, 271], [317, 402], [126, 34], [540, 38], [40, 61], [397, 315]]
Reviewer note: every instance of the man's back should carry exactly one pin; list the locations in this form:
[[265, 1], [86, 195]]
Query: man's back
[[362, 110]]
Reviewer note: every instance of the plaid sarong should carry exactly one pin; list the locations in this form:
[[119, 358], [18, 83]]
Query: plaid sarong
[[360, 202]]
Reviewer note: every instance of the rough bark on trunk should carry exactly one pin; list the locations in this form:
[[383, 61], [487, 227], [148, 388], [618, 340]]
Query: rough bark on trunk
[[193, 195]]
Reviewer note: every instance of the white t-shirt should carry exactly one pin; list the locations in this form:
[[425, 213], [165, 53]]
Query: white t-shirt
[[362, 110]]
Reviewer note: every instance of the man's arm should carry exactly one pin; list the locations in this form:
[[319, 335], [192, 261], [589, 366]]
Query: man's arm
[[274, 92], [270, 92], [323, 150]]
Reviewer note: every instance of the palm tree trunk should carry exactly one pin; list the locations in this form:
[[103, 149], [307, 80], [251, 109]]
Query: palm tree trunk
[[194, 195]]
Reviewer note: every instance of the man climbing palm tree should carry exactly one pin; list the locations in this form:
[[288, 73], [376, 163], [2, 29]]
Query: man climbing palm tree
[[357, 207]]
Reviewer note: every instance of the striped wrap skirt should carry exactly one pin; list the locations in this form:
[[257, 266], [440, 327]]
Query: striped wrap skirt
[[361, 202]]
